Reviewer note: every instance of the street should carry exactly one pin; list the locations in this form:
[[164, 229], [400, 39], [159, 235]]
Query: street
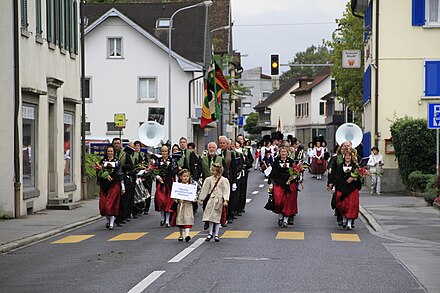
[[254, 255]]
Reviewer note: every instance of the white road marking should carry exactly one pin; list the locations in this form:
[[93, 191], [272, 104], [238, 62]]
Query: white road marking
[[255, 192], [142, 285], [187, 250], [261, 185], [248, 200], [265, 180]]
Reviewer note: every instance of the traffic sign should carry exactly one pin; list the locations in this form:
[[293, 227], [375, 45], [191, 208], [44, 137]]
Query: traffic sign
[[433, 116], [240, 121], [120, 120]]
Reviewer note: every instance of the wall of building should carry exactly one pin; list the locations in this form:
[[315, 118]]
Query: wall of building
[[284, 108], [7, 109], [114, 82]]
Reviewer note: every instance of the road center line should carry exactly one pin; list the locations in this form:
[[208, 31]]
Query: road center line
[[255, 192], [146, 282], [248, 200], [187, 250], [261, 185]]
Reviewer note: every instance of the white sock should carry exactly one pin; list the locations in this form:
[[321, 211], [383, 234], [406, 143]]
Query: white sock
[[162, 215], [348, 222], [186, 232], [216, 229], [344, 220], [211, 227], [167, 217], [181, 231], [285, 219], [112, 220]]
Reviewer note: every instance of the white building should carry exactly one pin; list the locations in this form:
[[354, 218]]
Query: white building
[[260, 87], [40, 85], [310, 109], [127, 69], [402, 70], [278, 108]]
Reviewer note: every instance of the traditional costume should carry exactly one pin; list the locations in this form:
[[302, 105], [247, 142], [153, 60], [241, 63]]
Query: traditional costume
[[163, 201], [285, 194], [347, 194], [318, 162]]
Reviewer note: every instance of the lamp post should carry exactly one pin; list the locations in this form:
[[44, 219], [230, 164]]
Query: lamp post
[[204, 3]]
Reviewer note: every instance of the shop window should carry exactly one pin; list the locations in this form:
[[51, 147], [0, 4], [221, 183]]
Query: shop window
[[68, 146], [29, 144]]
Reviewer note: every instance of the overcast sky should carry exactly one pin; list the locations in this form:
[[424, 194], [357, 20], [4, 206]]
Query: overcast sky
[[262, 27]]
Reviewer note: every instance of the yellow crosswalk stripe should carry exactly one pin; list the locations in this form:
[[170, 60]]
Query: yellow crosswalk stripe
[[291, 235], [236, 234], [128, 236], [345, 237], [176, 235], [72, 239]]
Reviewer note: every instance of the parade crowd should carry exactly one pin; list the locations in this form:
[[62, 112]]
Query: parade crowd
[[129, 179]]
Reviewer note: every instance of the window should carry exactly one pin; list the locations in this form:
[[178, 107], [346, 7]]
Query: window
[[68, 150], [265, 95], [111, 127], [87, 127], [321, 108], [38, 26], [29, 144], [433, 12], [297, 109], [114, 48], [306, 109], [432, 78], [88, 90], [24, 14], [147, 89], [246, 105], [163, 23]]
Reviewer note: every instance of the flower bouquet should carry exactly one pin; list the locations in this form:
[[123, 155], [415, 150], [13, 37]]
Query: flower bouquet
[[152, 170], [106, 169], [359, 173], [295, 173]]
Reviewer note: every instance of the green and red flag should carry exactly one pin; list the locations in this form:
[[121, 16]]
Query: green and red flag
[[215, 84]]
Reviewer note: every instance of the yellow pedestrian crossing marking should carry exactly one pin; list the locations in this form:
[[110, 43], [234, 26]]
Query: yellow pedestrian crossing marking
[[176, 235], [128, 236], [291, 235], [345, 237], [72, 239], [236, 234]]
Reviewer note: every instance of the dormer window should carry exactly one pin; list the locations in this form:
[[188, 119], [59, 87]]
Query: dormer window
[[163, 23]]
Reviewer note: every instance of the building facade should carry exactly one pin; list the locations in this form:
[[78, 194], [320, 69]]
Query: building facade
[[402, 70], [45, 65]]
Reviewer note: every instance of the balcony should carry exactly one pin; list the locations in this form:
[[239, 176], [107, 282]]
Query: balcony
[[338, 118]]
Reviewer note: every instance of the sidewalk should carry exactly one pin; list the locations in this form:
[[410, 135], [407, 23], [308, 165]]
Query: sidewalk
[[19, 232], [416, 228]]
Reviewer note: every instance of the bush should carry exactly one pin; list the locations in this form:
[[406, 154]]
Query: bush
[[415, 147], [90, 162], [417, 181], [430, 196]]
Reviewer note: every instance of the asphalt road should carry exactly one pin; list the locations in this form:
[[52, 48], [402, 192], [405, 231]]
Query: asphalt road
[[259, 262]]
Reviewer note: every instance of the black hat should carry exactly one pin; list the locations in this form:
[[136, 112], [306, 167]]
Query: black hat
[[375, 148]]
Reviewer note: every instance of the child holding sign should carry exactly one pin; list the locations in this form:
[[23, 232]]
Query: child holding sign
[[184, 212]]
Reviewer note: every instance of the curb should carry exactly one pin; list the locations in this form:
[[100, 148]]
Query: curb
[[34, 238], [370, 219]]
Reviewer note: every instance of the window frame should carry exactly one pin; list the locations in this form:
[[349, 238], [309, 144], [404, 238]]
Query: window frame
[[109, 47], [147, 100], [322, 105], [433, 24], [90, 98]]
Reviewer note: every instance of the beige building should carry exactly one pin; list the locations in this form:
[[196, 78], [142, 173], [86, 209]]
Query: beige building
[[402, 70], [40, 81]]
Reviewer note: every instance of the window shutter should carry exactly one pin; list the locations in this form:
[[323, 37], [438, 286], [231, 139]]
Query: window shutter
[[367, 143], [418, 12], [38, 17], [24, 15], [367, 84], [56, 21], [432, 78], [75, 28], [49, 20], [61, 31]]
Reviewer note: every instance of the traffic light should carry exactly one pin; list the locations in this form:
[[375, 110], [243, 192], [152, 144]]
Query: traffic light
[[274, 64]]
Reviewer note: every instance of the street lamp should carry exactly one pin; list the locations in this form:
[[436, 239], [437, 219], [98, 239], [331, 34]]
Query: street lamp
[[225, 27], [204, 3]]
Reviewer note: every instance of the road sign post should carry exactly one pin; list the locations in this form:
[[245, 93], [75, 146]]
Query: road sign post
[[119, 122], [434, 123]]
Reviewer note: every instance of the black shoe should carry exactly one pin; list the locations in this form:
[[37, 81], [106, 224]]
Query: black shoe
[[107, 225], [127, 220], [206, 226], [111, 227], [280, 223], [216, 239], [162, 223], [208, 238], [118, 224], [239, 214], [180, 239], [290, 220], [135, 216], [234, 217], [243, 211], [187, 238], [145, 213], [284, 225], [230, 221]]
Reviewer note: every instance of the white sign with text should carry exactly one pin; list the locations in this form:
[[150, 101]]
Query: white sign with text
[[184, 191], [351, 58]]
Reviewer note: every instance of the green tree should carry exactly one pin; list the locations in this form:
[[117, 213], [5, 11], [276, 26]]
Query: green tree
[[312, 55], [349, 82], [251, 125]]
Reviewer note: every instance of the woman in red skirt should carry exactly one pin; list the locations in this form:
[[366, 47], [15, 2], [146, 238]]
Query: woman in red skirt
[[109, 173], [347, 189], [285, 191], [318, 162], [163, 200]]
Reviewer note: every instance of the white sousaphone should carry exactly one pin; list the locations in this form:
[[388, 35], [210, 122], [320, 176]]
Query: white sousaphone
[[151, 133], [349, 132]]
